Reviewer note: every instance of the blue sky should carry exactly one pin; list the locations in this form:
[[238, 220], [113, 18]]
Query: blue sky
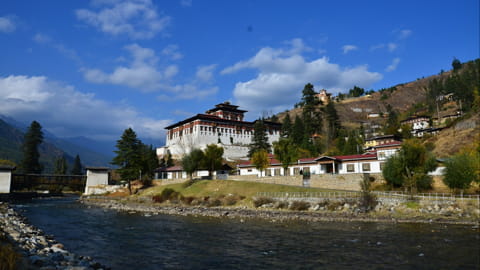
[[95, 68]]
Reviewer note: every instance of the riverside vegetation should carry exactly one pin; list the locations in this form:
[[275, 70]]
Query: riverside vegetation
[[239, 199]]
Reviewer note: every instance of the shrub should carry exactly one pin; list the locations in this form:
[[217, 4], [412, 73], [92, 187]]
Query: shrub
[[8, 257], [166, 194], [259, 201], [230, 200], [187, 200], [213, 202], [281, 205], [188, 183], [299, 205]]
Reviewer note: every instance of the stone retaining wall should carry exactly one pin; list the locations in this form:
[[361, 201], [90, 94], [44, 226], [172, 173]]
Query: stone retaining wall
[[295, 180], [327, 181]]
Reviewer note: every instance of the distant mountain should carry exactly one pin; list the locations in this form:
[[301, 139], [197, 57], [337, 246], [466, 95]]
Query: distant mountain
[[88, 157], [11, 138], [104, 148]]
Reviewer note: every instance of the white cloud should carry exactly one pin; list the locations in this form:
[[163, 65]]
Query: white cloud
[[172, 52], [188, 91], [348, 48], [48, 41], [405, 33], [7, 25], [186, 3], [142, 73], [392, 46], [136, 18], [282, 75], [393, 65], [67, 112], [205, 73]]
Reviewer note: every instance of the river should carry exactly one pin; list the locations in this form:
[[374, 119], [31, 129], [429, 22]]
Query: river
[[134, 241]]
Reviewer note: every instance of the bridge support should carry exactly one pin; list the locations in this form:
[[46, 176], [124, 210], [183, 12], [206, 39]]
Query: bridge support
[[6, 178], [96, 176]]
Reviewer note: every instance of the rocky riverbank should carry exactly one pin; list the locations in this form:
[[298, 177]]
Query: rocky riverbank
[[39, 251], [339, 214]]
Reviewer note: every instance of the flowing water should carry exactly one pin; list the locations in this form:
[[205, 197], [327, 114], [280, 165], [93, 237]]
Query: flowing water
[[135, 241]]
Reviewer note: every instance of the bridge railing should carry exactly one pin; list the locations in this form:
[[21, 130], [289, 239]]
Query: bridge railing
[[31, 182]]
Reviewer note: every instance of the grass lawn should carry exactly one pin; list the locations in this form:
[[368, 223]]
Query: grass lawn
[[215, 188]]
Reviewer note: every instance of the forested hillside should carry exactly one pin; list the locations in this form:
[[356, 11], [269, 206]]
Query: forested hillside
[[341, 125]]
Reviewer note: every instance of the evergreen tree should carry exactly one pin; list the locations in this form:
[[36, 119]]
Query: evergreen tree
[[260, 138], [356, 91], [286, 131], [333, 121], [456, 64], [298, 131], [77, 166], [60, 166], [149, 160], [33, 139], [128, 155]]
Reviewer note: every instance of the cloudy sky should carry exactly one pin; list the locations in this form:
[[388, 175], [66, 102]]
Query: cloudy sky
[[95, 68]]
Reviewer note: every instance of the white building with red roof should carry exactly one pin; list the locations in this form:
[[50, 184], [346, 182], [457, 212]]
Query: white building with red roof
[[370, 162], [223, 125]]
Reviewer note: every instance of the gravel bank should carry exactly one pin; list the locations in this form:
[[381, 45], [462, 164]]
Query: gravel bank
[[270, 214]]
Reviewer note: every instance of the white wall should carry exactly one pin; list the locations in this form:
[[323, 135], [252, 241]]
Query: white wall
[[5, 181], [96, 178]]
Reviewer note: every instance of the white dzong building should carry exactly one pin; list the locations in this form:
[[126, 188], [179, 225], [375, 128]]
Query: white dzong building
[[222, 125]]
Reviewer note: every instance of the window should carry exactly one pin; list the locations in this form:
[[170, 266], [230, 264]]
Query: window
[[366, 167], [276, 172], [382, 165], [268, 172], [350, 168], [249, 170], [296, 171], [381, 155]]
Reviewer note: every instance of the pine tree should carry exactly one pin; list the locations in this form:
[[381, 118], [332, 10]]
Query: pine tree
[[128, 155], [333, 121], [149, 160], [33, 139], [77, 166], [61, 165], [260, 138], [286, 131], [298, 131]]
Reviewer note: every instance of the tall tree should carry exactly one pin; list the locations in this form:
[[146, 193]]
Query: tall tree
[[286, 152], [128, 156], [192, 161], [213, 158], [333, 121], [77, 166], [298, 131], [286, 131], [149, 160], [260, 138], [33, 139], [60, 165], [260, 160]]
